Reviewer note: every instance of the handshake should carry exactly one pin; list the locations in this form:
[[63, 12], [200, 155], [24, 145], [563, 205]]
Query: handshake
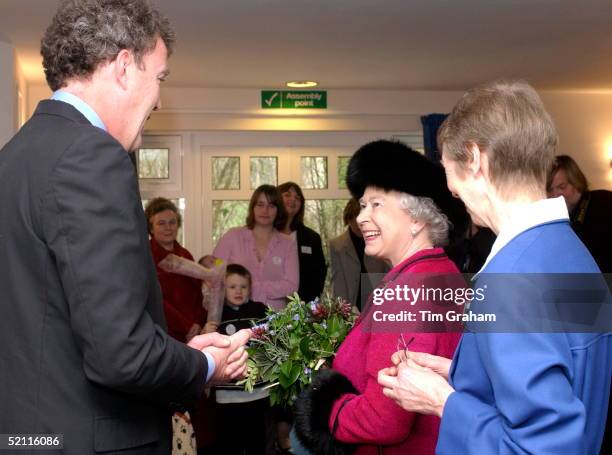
[[228, 352]]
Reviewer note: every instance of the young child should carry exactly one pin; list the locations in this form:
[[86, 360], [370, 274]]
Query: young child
[[243, 416], [239, 311]]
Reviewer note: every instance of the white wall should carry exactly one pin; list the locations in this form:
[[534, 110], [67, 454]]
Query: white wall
[[21, 96], [8, 112], [36, 93], [584, 123], [584, 120], [351, 110]]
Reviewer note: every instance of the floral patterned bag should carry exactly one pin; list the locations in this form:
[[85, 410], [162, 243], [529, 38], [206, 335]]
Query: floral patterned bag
[[183, 436]]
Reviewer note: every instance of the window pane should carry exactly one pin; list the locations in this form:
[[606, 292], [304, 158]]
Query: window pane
[[226, 215], [325, 217], [180, 203], [314, 172], [226, 172], [343, 162], [263, 170], [153, 164]]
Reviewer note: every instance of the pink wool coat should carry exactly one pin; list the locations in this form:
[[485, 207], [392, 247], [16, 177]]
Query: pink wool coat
[[370, 419]]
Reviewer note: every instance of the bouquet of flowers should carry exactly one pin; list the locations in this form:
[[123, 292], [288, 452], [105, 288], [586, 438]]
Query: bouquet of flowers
[[290, 344]]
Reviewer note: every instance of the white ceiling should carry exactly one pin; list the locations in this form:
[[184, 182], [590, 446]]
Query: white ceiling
[[366, 44]]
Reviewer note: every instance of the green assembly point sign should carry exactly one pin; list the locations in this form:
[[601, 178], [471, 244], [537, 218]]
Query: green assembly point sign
[[298, 99]]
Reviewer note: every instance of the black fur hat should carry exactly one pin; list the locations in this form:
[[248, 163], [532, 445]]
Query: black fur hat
[[392, 165]]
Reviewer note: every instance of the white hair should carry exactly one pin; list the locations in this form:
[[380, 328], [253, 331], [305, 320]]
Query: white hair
[[425, 210]]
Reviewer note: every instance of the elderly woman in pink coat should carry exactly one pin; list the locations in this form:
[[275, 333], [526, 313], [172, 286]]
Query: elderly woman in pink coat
[[403, 200]]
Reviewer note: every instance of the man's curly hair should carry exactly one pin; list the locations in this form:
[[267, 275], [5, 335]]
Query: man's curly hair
[[86, 33]]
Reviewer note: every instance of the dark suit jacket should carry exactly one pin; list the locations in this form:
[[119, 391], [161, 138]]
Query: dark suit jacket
[[313, 268], [592, 221], [346, 268], [84, 350]]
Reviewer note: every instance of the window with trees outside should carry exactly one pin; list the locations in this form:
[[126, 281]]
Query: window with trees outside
[[159, 166], [318, 175], [211, 177]]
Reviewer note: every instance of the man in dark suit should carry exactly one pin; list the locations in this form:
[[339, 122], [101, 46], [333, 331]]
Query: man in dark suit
[[84, 347]]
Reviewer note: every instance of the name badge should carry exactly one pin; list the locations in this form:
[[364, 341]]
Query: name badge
[[306, 249]]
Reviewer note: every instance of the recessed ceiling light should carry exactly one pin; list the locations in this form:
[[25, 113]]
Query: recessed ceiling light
[[302, 84]]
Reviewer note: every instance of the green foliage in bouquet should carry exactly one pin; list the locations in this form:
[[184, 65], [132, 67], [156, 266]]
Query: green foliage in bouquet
[[292, 343]]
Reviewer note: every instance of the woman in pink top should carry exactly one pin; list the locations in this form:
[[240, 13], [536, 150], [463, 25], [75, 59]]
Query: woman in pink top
[[270, 256], [404, 207]]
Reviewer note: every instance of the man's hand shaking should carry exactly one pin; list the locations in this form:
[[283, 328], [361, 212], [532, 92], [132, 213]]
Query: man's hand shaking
[[228, 351]]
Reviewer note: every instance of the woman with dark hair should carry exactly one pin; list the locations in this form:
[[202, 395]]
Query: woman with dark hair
[[182, 294], [310, 251], [590, 210], [566, 179], [259, 246]]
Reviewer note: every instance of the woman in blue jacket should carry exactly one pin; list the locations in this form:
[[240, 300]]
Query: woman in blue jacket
[[521, 385]]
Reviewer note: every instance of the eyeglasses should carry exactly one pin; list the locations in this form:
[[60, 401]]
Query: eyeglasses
[[403, 346]]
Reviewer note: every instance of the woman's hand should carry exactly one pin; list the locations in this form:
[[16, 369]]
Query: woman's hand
[[440, 365], [414, 387]]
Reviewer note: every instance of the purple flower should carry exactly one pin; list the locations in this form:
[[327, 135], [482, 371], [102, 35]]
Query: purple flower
[[319, 311], [259, 331], [344, 308]]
